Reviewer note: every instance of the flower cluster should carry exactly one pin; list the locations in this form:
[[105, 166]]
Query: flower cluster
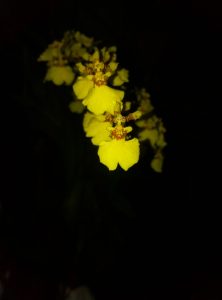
[[116, 119]]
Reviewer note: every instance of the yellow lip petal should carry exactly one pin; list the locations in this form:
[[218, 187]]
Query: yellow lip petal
[[124, 153], [129, 154], [60, 74], [103, 99]]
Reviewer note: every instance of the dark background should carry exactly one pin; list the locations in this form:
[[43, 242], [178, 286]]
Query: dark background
[[66, 220]]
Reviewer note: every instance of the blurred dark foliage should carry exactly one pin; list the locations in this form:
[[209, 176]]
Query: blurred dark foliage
[[63, 215]]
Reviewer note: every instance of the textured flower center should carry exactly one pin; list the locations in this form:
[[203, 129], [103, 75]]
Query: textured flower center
[[119, 132]]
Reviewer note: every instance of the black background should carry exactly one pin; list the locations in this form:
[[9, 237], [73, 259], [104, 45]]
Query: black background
[[64, 217]]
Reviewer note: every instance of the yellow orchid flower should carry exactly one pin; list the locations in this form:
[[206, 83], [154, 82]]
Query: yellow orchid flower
[[155, 137], [98, 99], [60, 74], [153, 130]]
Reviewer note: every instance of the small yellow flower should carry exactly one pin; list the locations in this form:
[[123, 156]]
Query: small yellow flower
[[122, 152], [121, 78], [155, 137], [75, 44], [92, 88], [76, 106], [153, 130], [157, 162], [97, 128], [77, 51], [98, 99], [60, 74], [145, 105], [149, 134]]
